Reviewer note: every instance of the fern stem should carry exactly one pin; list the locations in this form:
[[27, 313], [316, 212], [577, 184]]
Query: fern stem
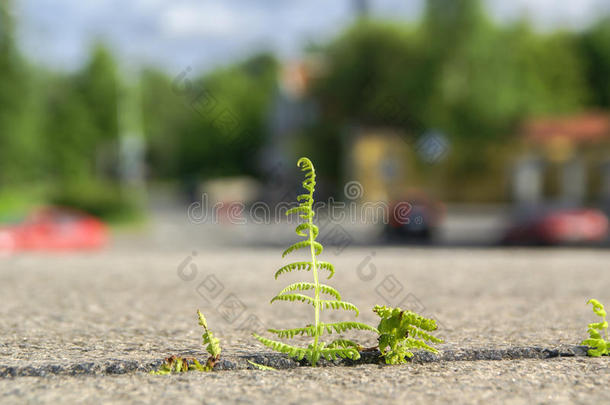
[[314, 263]]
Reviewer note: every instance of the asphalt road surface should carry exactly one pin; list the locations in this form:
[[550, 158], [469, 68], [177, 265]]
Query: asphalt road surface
[[137, 302]]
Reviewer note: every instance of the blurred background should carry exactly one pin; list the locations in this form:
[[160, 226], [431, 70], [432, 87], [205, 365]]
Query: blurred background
[[488, 120]]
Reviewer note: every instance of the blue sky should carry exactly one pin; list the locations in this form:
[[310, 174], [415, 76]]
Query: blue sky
[[205, 33]]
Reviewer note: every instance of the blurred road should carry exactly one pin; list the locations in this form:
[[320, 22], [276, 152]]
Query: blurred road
[[170, 228]]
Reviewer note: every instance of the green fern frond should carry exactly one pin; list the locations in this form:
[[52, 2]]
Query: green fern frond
[[305, 266], [310, 231], [418, 333], [262, 367], [175, 364], [596, 340], [293, 266], [343, 344], [311, 286], [297, 353], [213, 344], [324, 304], [304, 211], [331, 354], [329, 328], [302, 227], [393, 315], [332, 304], [303, 244], [294, 297], [340, 327], [327, 266], [306, 198], [400, 331], [290, 333]]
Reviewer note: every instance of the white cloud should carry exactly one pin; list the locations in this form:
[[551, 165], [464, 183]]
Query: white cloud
[[206, 32], [208, 19]]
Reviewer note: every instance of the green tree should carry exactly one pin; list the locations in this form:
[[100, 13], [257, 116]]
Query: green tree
[[19, 140], [228, 117], [98, 85], [164, 111], [595, 47], [81, 118]]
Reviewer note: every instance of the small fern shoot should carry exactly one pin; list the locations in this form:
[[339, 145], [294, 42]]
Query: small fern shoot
[[213, 344], [600, 344], [261, 366], [294, 292], [177, 364], [401, 331]]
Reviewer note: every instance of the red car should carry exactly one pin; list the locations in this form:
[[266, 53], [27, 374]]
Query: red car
[[54, 228], [561, 226]]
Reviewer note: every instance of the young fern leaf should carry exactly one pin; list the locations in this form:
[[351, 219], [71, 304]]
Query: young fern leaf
[[327, 266], [600, 344], [300, 245], [297, 353], [311, 286], [402, 331], [294, 297], [323, 304], [340, 327], [334, 304], [175, 364], [332, 353], [309, 231], [262, 367], [327, 328], [344, 344], [291, 267]]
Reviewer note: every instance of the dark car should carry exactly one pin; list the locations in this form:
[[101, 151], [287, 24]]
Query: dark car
[[414, 219]]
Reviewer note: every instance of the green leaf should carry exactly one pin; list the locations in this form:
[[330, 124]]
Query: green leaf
[[344, 344], [341, 327], [340, 347], [329, 328], [305, 211], [262, 367], [293, 266], [332, 353], [303, 244], [307, 226], [293, 297], [292, 351], [327, 266], [311, 286], [332, 304], [401, 331]]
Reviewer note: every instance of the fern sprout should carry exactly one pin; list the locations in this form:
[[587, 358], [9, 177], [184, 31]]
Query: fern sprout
[[295, 292], [401, 331], [598, 332], [176, 364]]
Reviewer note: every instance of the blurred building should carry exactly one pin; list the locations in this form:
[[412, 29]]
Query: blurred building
[[564, 159]]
